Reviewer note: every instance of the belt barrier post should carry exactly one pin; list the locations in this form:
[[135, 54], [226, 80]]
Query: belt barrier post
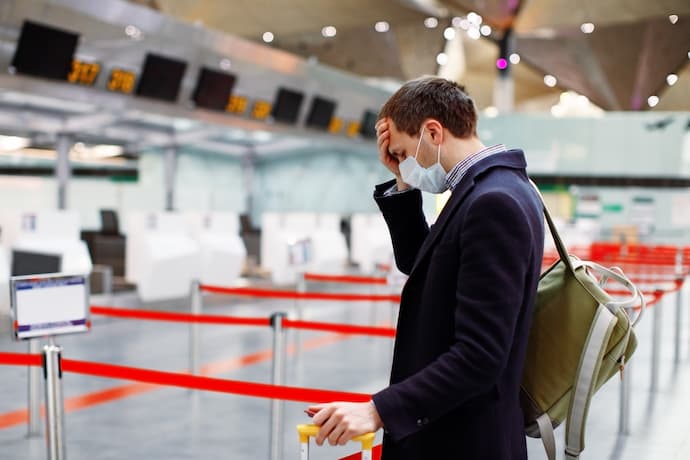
[[301, 289], [52, 372], [194, 348], [277, 378], [107, 280], [656, 344], [679, 306], [34, 392]]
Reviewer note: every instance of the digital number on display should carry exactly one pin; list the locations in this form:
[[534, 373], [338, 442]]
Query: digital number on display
[[236, 105], [121, 81], [261, 110], [335, 126], [84, 73], [353, 128]]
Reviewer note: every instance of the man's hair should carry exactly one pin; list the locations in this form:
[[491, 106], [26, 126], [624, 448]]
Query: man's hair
[[432, 97]]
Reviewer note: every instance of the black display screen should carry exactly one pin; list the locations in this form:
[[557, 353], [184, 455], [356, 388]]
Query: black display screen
[[213, 89], [44, 51], [34, 263], [368, 125], [161, 78], [286, 106], [320, 113]]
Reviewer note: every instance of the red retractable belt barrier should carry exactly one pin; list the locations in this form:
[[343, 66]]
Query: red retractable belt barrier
[[276, 294], [348, 279], [177, 317], [340, 328], [259, 390], [20, 359]]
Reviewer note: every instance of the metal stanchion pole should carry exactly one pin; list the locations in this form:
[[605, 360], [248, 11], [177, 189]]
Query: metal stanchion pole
[[107, 280], [679, 307], [301, 289], [34, 392], [194, 347], [52, 371], [277, 378], [656, 344]]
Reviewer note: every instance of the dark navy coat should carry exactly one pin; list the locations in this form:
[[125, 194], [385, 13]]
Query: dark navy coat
[[464, 317]]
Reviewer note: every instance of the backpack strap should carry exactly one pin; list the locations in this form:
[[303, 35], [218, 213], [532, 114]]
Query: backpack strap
[[546, 434], [585, 380]]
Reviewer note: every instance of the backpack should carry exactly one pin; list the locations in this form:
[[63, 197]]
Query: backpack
[[580, 337]]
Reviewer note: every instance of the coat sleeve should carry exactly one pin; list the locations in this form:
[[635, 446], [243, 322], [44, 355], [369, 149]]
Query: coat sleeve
[[495, 248], [406, 223]]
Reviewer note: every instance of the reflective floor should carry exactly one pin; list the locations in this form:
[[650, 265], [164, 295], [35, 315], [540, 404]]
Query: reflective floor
[[113, 419]]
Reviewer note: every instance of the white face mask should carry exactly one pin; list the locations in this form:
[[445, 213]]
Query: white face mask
[[432, 179]]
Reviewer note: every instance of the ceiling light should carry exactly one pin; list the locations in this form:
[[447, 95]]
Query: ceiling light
[[485, 30], [550, 81], [382, 26], [464, 24], [501, 63], [431, 23], [268, 37], [456, 21], [491, 111], [133, 32], [474, 18], [225, 64], [671, 79], [442, 59], [587, 28], [514, 58], [653, 101], [474, 34], [673, 18], [10, 143], [328, 31], [449, 33]]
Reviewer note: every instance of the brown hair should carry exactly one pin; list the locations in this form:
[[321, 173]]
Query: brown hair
[[432, 97]]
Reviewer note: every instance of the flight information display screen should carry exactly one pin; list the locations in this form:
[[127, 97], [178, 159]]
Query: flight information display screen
[[44, 51], [286, 106], [320, 113], [213, 89], [161, 77]]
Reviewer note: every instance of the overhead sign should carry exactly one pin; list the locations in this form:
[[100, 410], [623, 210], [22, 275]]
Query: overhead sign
[[46, 305]]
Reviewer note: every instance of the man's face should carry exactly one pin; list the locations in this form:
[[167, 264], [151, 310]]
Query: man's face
[[402, 145]]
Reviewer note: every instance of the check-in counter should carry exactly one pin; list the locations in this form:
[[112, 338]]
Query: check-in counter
[[292, 243], [370, 242], [161, 258], [223, 253], [49, 233]]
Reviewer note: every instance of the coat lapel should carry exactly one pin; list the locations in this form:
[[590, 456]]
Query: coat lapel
[[511, 159]]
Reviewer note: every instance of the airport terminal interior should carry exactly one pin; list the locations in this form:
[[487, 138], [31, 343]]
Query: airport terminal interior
[[190, 251]]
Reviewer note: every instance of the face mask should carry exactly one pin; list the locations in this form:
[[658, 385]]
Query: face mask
[[432, 179]]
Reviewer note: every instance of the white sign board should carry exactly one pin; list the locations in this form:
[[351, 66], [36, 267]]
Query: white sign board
[[44, 305]]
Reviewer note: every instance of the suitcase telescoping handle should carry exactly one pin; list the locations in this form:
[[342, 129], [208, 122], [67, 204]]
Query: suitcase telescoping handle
[[308, 431]]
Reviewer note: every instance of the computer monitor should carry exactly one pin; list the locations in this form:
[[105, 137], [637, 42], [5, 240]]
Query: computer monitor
[[320, 113], [34, 263], [213, 88]]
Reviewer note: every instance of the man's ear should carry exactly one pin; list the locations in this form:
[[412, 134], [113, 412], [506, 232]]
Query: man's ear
[[435, 130]]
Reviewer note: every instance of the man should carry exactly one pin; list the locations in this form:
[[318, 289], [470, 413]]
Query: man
[[467, 305]]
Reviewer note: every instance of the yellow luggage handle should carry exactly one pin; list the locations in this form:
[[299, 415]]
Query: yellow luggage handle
[[308, 431]]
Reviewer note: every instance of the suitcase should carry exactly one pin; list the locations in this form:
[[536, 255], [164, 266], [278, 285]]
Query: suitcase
[[308, 431]]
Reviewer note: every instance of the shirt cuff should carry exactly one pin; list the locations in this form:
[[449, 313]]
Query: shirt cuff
[[394, 190]]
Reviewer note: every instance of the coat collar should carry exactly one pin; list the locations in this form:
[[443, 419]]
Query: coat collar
[[514, 159]]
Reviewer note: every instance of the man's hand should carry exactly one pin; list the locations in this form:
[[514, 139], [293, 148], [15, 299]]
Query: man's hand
[[342, 421], [391, 162]]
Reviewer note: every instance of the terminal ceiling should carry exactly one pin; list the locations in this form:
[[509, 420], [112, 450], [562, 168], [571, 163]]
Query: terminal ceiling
[[627, 58]]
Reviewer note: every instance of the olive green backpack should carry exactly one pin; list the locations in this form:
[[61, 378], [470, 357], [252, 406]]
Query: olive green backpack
[[580, 337]]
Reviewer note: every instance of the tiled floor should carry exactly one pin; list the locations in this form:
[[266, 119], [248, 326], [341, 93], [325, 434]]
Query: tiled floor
[[171, 423]]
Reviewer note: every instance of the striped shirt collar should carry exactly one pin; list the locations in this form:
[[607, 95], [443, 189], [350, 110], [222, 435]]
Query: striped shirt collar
[[458, 171]]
